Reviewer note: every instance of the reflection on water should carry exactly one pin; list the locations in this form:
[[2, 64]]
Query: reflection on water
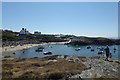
[[68, 50]]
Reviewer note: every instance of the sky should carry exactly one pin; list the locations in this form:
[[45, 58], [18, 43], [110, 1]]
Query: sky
[[93, 19], [60, 0]]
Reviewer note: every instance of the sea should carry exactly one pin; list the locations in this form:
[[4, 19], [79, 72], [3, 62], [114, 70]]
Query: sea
[[60, 49]]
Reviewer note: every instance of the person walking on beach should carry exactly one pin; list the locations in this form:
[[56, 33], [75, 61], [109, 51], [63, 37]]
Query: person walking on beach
[[107, 50]]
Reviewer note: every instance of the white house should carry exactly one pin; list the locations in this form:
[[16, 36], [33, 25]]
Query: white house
[[24, 32]]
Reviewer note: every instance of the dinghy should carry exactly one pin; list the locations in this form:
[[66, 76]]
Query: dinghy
[[47, 53]]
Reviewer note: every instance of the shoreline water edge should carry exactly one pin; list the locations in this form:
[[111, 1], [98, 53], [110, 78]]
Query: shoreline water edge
[[26, 46], [8, 50]]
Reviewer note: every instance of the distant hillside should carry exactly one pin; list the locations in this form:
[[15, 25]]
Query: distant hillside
[[95, 41], [8, 35], [92, 38]]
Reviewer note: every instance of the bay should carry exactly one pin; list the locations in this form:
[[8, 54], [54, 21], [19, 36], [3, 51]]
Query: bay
[[59, 49]]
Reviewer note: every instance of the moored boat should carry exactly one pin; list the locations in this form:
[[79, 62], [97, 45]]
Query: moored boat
[[92, 50], [47, 53], [77, 49], [88, 47], [39, 50], [115, 49], [100, 52]]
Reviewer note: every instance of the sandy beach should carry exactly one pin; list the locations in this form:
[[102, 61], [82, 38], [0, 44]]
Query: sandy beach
[[15, 48], [26, 46]]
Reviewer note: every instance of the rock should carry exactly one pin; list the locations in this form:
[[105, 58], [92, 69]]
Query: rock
[[97, 68], [98, 75], [61, 56], [114, 70], [51, 61], [7, 56], [70, 60], [73, 58]]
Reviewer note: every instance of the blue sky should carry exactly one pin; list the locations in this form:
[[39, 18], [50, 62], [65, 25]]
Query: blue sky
[[97, 19]]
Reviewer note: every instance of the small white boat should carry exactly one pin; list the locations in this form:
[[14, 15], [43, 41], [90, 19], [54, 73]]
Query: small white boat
[[47, 53], [77, 49], [98, 47], [100, 52]]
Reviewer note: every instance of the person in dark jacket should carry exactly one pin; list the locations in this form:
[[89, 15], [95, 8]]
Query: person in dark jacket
[[107, 50]]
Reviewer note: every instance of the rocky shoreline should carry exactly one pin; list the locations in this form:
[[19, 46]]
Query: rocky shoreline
[[60, 67], [99, 68]]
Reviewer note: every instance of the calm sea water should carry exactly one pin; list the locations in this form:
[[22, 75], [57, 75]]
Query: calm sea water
[[66, 50]]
